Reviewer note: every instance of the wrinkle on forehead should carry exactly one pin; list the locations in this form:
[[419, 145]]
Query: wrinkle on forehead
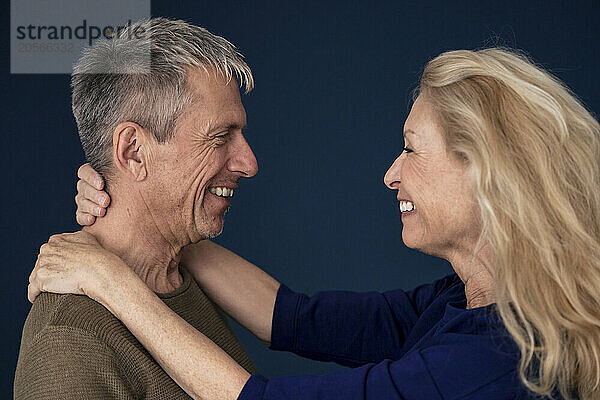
[[421, 120]]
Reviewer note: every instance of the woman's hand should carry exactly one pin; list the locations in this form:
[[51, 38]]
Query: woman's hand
[[91, 200], [75, 263]]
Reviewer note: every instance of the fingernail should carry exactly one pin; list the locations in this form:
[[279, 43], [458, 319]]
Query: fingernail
[[98, 210]]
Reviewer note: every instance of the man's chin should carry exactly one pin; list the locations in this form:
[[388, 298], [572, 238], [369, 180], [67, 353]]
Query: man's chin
[[212, 235], [211, 229]]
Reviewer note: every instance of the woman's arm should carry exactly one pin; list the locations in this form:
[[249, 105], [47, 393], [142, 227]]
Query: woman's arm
[[240, 288], [76, 263]]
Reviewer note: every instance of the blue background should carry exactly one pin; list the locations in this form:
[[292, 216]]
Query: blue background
[[333, 87]]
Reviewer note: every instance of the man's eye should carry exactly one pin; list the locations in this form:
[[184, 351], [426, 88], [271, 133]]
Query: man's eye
[[218, 140], [221, 138], [406, 149]]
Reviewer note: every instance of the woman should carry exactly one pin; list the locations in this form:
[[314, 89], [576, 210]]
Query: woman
[[499, 176]]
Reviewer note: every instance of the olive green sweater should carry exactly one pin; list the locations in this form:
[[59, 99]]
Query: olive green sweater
[[74, 348]]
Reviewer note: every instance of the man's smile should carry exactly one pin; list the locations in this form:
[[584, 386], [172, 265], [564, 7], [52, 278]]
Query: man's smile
[[221, 191]]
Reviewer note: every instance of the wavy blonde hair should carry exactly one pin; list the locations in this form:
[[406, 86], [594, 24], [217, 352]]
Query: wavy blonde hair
[[533, 152]]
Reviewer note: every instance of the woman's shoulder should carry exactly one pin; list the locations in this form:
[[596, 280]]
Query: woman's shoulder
[[478, 348], [446, 289], [446, 285]]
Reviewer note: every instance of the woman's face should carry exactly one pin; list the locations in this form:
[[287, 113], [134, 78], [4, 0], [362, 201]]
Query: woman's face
[[444, 219]]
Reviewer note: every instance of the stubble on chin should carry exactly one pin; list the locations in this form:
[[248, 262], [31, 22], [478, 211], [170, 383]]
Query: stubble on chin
[[207, 233]]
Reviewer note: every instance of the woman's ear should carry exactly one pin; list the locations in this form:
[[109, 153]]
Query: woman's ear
[[128, 150]]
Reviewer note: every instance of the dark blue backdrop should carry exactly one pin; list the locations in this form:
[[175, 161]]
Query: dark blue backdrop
[[333, 83]]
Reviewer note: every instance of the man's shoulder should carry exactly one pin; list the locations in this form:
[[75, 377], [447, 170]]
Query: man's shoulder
[[68, 310], [72, 347], [75, 313]]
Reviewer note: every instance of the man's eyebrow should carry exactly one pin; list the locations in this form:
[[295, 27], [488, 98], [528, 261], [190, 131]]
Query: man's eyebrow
[[407, 131], [229, 127], [235, 126]]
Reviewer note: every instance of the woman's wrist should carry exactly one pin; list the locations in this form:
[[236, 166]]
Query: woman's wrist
[[107, 279], [117, 291]]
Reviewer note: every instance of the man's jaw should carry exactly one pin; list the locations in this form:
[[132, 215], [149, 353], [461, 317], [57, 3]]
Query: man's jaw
[[212, 206]]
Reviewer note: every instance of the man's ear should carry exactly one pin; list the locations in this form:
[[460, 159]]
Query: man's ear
[[130, 144]]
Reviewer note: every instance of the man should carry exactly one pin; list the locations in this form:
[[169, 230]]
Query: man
[[160, 117]]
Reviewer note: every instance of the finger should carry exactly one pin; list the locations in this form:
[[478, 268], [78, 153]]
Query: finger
[[33, 274], [32, 292], [86, 236], [85, 206], [48, 253], [53, 238], [56, 238], [79, 237], [84, 219], [33, 289], [87, 191], [89, 174], [57, 248]]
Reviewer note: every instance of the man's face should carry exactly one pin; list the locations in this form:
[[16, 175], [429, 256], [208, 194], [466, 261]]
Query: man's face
[[207, 154]]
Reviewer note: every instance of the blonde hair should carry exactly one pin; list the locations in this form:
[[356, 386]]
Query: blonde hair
[[533, 152]]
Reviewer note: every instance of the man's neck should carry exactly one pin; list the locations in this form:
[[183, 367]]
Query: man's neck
[[138, 240]]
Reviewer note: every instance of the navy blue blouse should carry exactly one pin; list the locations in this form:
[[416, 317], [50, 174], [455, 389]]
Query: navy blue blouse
[[419, 344]]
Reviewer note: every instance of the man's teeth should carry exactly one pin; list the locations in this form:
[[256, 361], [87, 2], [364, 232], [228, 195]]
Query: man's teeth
[[406, 206], [221, 191]]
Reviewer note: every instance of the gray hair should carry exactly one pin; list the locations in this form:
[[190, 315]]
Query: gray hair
[[139, 75]]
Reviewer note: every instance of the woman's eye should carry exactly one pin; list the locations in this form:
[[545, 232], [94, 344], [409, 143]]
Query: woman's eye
[[406, 149]]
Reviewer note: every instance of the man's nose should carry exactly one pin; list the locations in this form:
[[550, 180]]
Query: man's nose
[[242, 159], [392, 176]]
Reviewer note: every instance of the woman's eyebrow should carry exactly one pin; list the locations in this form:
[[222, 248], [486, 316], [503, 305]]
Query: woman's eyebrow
[[407, 131]]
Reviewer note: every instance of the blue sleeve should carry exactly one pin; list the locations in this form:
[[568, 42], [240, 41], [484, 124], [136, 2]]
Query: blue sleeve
[[447, 371], [349, 328]]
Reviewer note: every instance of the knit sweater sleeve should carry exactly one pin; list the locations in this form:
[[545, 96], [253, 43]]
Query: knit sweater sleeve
[[69, 363]]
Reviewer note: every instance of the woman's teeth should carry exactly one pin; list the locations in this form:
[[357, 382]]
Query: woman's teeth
[[221, 191], [406, 206]]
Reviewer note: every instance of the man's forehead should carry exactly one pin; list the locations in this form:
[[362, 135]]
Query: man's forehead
[[206, 121], [211, 84], [216, 101]]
